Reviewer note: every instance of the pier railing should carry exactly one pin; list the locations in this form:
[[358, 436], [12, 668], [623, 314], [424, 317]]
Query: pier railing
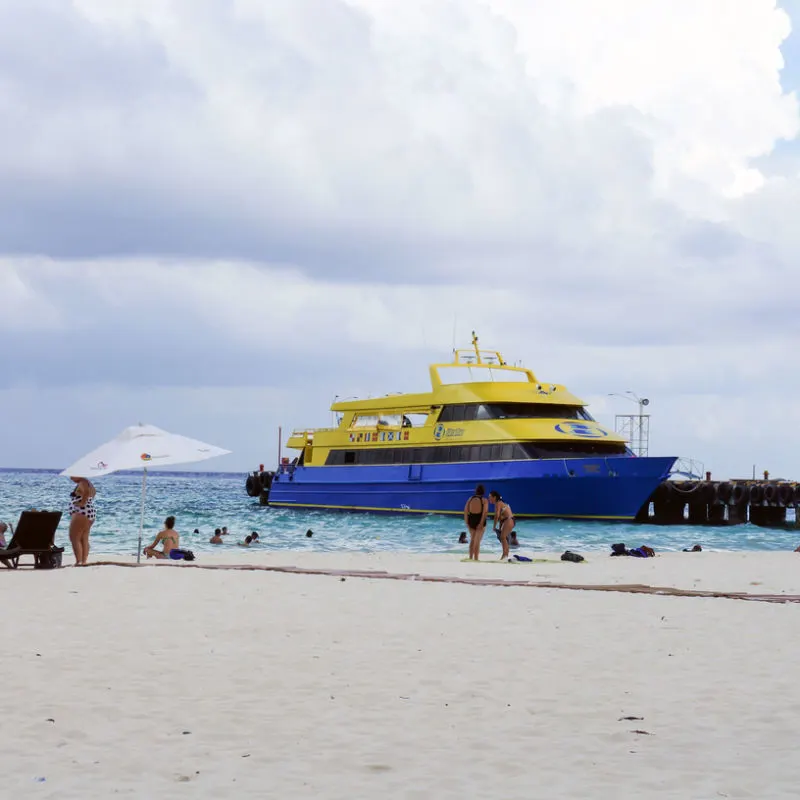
[[687, 469]]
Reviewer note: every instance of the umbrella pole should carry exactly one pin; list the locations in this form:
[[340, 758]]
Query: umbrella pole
[[141, 517]]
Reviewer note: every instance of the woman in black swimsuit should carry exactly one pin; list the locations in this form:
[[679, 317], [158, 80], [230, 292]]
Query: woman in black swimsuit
[[503, 521], [475, 512]]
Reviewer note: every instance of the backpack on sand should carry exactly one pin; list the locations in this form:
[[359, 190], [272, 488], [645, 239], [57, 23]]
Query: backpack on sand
[[177, 554]]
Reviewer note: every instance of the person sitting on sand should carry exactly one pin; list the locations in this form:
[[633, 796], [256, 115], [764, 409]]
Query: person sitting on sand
[[169, 539], [246, 542], [217, 537]]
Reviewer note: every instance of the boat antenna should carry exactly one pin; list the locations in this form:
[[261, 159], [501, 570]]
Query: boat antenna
[[475, 345], [455, 319]]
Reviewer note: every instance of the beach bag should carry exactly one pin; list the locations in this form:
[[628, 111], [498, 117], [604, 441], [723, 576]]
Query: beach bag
[[619, 549], [177, 554], [51, 560], [648, 551], [516, 557], [568, 555]]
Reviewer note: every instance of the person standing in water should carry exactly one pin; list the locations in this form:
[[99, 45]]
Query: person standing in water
[[503, 521], [81, 518], [169, 539], [475, 512]]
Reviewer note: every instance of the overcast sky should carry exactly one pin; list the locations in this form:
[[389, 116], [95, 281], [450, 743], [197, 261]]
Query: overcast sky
[[217, 215]]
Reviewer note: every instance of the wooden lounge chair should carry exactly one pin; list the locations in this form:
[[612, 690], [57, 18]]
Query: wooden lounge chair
[[34, 536]]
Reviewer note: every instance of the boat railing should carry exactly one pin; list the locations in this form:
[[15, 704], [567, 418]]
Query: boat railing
[[308, 433], [686, 469]]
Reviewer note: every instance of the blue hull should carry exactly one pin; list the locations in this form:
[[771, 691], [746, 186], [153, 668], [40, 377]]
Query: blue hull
[[589, 488]]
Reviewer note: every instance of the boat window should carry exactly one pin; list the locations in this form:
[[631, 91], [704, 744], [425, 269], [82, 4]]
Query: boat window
[[448, 454], [414, 420], [574, 449], [365, 421], [385, 456], [446, 414], [391, 420], [483, 411]]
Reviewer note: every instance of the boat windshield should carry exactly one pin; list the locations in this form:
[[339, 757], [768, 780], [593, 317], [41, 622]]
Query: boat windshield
[[480, 373]]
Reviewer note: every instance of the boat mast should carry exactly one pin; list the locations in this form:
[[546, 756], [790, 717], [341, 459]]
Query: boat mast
[[475, 345]]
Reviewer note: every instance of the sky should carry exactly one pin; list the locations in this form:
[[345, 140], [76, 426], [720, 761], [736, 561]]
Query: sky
[[216, 216]]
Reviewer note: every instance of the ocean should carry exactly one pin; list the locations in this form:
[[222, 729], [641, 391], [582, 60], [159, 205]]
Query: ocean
[[207, 500]]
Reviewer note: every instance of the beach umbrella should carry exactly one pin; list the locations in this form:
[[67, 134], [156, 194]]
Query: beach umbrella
[[140, 447]]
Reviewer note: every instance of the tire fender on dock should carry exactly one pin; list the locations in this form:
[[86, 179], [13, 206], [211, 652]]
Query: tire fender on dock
[[253, 486], [756, 494], [739, 494], [771, 494], [723, 492], [786, 494]]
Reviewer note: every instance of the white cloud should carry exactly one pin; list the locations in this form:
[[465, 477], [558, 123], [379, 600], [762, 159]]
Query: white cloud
[[437, 125], [205, 193]]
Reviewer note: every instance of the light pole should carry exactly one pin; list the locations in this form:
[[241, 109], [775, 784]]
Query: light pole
[[641, 449]]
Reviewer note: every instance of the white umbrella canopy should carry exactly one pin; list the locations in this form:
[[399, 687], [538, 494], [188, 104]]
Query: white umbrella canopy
[[139, 447]]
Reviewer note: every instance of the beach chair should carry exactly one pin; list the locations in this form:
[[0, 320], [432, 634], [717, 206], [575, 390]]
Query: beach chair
[[34, 536]]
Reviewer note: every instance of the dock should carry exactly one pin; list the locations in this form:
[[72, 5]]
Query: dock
[[731, 502]]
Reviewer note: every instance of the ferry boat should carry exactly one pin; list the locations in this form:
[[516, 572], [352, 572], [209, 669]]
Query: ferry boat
[[484, 421]]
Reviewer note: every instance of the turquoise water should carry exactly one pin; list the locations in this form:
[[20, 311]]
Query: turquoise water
[[209, 500]]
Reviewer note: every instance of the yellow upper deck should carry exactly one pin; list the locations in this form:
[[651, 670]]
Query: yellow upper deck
[[473, 376], [477, 398]]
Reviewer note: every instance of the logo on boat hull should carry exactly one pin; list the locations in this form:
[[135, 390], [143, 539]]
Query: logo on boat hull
[[581, 429], [440, 432]]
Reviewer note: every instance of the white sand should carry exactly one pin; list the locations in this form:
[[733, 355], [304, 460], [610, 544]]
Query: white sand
[[310, 686]]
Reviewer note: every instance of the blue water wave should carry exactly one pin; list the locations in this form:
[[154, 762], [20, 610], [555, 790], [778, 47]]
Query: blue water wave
[[207, 500]]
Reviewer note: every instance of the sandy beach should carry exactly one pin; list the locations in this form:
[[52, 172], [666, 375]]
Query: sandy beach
[[175, 681]]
